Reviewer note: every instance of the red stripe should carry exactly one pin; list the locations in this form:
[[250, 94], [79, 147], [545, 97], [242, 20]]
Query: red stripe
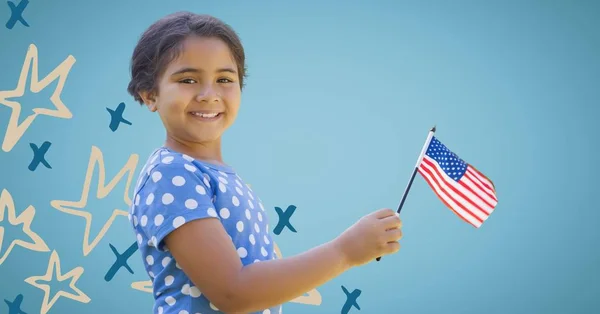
[[442, 186], [466, 187], [437, 170], [442, 199], [478, 183], [481, 175]]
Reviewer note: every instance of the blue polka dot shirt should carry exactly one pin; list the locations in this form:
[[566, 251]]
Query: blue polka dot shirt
[[173, 189]]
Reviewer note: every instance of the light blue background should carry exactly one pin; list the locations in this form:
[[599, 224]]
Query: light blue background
[[339, 100]]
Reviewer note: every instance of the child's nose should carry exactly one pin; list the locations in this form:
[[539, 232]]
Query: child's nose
[[208, 93]]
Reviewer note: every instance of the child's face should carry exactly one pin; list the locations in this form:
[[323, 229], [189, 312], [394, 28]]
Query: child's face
[[202, 80]]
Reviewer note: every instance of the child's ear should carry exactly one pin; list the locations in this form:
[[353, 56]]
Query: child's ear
[[149, 100]]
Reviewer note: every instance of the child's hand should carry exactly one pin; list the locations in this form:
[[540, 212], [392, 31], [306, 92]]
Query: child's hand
[[374, 235]]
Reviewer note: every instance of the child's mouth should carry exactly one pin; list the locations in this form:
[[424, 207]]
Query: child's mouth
[[206, 116]]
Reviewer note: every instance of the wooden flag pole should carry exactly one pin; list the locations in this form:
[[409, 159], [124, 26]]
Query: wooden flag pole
[[412, 177]]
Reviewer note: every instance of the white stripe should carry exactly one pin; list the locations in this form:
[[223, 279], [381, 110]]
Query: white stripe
[[468, 182], [448, 181], [435, 186], [481, 180]]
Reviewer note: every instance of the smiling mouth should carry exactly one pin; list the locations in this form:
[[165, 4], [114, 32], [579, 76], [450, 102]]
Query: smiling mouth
[[206, 116]]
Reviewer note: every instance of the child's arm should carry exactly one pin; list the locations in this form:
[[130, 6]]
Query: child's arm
[[206, 254]]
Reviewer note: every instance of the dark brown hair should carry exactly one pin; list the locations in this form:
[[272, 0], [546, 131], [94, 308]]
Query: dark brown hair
[[162, 42]]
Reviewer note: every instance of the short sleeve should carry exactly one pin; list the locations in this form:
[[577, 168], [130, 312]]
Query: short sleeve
[[173, 194]]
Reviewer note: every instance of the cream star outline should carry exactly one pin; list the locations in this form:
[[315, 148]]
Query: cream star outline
[[14, 130], [25, 218], [96, 158], [74, 274], [312, 297]]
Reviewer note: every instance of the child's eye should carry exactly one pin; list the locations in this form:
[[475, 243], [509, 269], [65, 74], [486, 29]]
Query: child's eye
[[225, 80], [188, 81]]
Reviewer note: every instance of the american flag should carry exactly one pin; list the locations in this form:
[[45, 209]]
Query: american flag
[[461, 187]]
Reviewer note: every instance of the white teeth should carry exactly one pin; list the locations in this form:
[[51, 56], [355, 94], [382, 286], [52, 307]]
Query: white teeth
[[205, 115]]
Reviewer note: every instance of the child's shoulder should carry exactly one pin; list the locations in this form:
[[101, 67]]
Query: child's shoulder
[[168, 165]]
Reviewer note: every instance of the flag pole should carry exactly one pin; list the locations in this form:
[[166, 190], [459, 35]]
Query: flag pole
[[414, 173]]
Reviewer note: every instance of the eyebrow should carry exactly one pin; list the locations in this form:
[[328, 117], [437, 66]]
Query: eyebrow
[[193, 70]]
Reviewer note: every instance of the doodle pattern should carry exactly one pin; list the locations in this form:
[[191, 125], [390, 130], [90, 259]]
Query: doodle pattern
[[14, 307], [53, 271], [14, 129], [116, 117], [16, 14], [39, 156], [7, 210], [284, 219], [76, 207]]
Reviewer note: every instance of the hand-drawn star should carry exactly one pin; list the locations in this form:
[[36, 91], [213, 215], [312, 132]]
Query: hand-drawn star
[[102, 191], [74, 274], [7, 206], [14, 130]]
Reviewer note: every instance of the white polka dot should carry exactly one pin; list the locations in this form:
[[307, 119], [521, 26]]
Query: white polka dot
[[187, 157], [224, 212], [158, 220], [178, 222], [160, 310], [167, 160], [178, 181], [266, 239], [240, 226], [156, 175], [223, 180], [211, 212], [256, 228], [150, 260], [189, 167], [250, 204], [238, 183], [186, 312], [206, 181], [259, 216], [151, 274], [137, 200], [239, 191], [222, 187], [191, 204], [167, 198], [177, 265], [250, 194], [166, 261], [242, 252], [263, 251], [169, 280], [170, 300], [139, 238], [153, 241], [235, 201], [256, 260], [150, 199], [261, 206], [212, 306], [248, 214], [267, 311], [200, 189], [135, 221], [144, 220], [252, 239], [223, 174], [195, 292], [185, 289]]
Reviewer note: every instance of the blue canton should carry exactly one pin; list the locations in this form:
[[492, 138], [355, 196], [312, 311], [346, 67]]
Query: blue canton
[[450, 163]]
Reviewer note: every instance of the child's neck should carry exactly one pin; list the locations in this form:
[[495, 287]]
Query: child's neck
[[207, 152]]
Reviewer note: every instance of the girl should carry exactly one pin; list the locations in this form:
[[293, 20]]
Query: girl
[[203, 233]]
